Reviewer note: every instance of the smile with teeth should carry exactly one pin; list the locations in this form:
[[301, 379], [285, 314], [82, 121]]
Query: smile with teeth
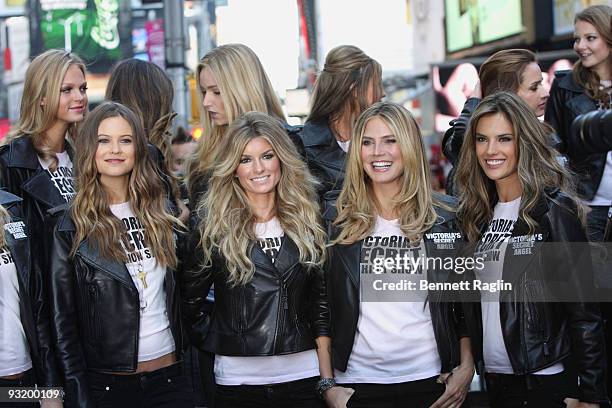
[[495, 162], [260, 178], [381, 165]]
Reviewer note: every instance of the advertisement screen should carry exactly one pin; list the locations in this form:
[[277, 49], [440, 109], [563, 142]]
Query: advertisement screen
[[474, 22], [565, 10], [90, 28]]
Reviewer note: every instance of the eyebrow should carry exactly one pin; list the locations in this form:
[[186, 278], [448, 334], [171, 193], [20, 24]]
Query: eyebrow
[[104, 134], [502, 134], [382, 137], [263, 154]]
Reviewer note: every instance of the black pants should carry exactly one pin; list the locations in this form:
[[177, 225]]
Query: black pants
[[529, 391], [293, 394], [166, 387], [27, 380], [413, 394]]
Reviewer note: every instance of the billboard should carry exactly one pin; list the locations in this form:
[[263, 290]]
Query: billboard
[[96, 30], [565, 10], [474, 22]]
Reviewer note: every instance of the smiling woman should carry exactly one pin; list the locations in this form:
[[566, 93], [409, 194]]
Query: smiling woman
[[259, 241], [116, 244]]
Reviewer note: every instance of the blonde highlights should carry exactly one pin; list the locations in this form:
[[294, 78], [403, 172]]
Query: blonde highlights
[[90, 208], [226, 218], [40, 100], [5, 217], [538, 169], [244, 87], [357, 206]]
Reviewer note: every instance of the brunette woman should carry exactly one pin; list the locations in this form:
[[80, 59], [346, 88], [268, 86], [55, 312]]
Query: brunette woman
[[113, 255], [513, 70], [232, 81], [394, 349], [349, 82], [517, 206], [260, 243], [146, 90], [586, 88]]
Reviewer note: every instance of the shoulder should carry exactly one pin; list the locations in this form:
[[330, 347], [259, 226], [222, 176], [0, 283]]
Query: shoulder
[[564, 80], [316, 134], [8, 199], [19, 152]]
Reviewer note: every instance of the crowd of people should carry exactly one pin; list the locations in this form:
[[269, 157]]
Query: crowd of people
[[261, 245]]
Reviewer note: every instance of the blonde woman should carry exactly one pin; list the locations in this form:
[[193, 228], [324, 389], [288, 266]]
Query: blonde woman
[[113, 257], [392, 349], [349, 82], [232, 81], [260, 243], [517, 206]]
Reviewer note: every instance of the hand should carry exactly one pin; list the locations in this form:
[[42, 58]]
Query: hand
[[477, 92], [457, 385], [337, 397], [51, 403]]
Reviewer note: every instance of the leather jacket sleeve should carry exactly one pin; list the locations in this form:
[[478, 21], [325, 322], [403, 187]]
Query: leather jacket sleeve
[[195, 282], [555, 114], [65, 321], [453, 137], [320, 318], [584, 319]]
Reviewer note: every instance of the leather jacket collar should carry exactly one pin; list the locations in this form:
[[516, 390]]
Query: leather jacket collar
[[288, 257]]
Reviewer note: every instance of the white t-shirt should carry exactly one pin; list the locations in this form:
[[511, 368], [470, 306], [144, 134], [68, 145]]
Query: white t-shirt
[[492, 247], [62, 176], [394, 341], [603, 196], [155, 336], [344, 145], [259, 370], [14, 350]]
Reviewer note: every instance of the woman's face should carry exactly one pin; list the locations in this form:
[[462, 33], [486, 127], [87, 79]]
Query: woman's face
[[211, 98], [259, 169], [115, 155], [496, 148], [73, 96], [591, 48], [381, 155], [531, 89]]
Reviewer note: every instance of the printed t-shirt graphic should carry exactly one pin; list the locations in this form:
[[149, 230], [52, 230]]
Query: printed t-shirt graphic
[[62, 177]]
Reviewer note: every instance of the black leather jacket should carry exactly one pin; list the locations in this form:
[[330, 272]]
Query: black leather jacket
[[33, 309], [280, 311], [567, 101], [96, 312], [537, 332], [592, 133], [325, 158], [343, 277]]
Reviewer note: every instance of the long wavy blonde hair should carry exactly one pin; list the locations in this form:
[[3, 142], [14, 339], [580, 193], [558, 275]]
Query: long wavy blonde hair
[[43, 82], [538, 169], [357, 205], [90, 209], [244, 87], [226, 218]]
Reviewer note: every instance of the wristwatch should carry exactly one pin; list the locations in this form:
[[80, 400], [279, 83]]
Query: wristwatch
[[325, 384]]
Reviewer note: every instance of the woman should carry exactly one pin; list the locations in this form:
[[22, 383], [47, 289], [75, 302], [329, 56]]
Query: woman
[[394, 349], [512, 70], [24, 338], [146, 90], [586, 88], [517, 207], [232, 81], [349, 83], [261, 245], [114, 298], [35, 162]]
